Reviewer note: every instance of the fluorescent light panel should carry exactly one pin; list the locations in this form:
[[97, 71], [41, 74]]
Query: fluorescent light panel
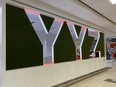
[[113, 1]]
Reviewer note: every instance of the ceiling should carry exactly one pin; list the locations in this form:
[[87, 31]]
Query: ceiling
[[98, 14], [104, 7]]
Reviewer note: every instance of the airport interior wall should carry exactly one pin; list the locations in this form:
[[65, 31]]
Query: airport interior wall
[[26, 65]]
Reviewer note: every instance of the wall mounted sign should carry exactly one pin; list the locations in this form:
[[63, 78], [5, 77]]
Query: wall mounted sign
[[34, 39]]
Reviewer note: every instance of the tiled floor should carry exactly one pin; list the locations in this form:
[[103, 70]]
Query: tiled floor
[[104, 79]]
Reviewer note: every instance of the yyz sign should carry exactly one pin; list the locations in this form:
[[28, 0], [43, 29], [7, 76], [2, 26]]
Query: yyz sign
[[48, 39]]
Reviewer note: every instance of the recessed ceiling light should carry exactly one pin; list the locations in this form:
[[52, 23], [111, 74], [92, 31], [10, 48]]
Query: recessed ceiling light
[[113, 1]]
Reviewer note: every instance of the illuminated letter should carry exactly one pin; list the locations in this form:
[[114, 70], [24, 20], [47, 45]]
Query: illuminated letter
[[96, 35], [78, 39], [47, 39]]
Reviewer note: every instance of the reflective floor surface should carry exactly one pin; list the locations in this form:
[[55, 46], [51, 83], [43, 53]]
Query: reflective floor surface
[[104, 79]]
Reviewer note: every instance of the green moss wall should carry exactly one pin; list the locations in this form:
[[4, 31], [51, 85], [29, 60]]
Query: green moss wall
[[23, 48]]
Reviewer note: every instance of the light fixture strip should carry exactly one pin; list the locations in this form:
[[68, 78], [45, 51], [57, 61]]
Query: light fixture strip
[[113, 1]]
